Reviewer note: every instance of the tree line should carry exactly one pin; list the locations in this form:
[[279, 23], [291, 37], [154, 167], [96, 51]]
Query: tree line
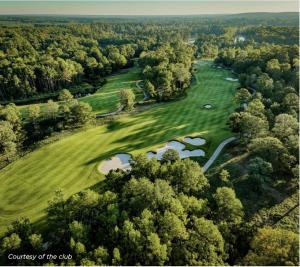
[[267, 118]]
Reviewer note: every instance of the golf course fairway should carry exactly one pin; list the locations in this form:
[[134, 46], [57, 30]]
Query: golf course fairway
[[71, 163]]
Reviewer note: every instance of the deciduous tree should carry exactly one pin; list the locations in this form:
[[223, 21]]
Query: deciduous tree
[[127, 99], [273, 247]]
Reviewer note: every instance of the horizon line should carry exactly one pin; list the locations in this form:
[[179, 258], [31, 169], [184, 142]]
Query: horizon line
[[145, 15]]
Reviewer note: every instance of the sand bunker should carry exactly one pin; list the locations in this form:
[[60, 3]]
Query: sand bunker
[[122, 161], [231, 79], [208, 106], [119, 161], [179, 147], [195, 141]]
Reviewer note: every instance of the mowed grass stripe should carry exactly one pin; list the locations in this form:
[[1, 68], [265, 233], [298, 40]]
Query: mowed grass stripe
[[69, 164]]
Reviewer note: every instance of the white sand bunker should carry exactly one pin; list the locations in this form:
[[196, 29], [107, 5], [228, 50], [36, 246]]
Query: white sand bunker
[[231, 79], [122, 161], [208, 106], [119, 161], [195, 141], [179, 147]]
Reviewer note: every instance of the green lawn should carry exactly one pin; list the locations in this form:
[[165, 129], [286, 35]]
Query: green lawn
[[106, 98], [70, 164]]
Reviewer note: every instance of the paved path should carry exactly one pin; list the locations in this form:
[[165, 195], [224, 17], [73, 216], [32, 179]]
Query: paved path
[[217, 152], [110, 113]]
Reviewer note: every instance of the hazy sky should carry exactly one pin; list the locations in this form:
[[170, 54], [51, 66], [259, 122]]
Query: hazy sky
[[144, 7]]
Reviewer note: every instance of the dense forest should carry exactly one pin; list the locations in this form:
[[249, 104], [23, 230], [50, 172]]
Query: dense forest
[[54, 58], [164, 212], [36, 60], [40, 59]]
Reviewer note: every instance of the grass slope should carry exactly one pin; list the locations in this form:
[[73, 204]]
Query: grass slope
[[70, 163]]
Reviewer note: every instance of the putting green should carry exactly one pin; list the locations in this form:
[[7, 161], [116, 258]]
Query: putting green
[[71, 163]]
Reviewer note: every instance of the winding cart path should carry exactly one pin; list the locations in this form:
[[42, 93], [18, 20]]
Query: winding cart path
[[217, 152]]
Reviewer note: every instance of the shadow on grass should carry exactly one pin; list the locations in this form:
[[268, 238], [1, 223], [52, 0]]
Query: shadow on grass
[[158, 130], [169, 121]]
